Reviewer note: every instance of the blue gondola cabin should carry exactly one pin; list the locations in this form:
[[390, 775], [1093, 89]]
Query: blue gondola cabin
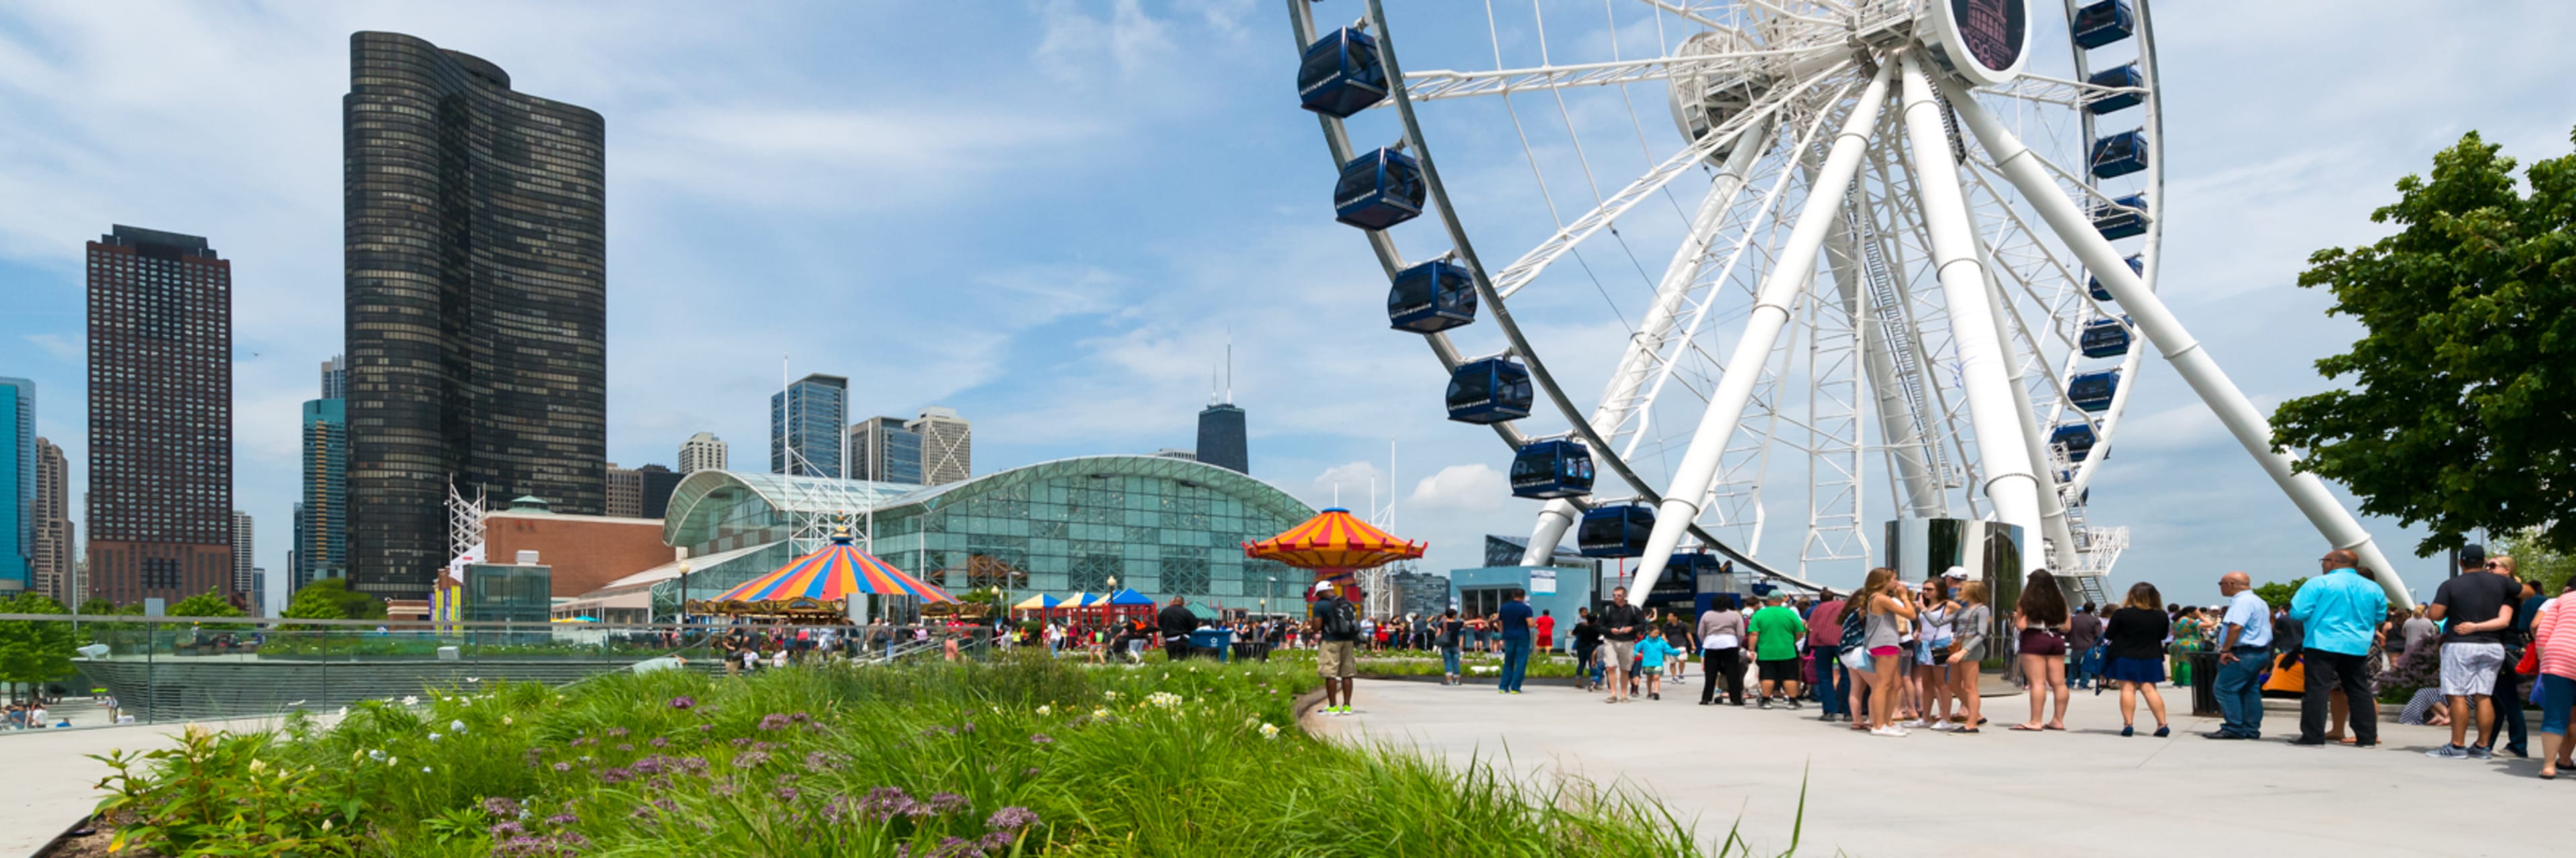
[[1554, 468], [2125, 77], [2120, 218], [2120, 154], [1616, 530], [2077, 438], [2099, 24], [2092, 391], [2104, 338], [1431, 297], [1379, 189], [1492, 390], [1341, 74], [2137, 265]]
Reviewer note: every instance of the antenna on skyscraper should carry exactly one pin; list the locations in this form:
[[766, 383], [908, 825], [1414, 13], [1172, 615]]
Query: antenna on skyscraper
[[1229, 366]]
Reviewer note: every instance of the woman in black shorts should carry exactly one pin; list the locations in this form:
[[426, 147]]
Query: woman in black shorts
[[2136, 638], [2040, 620]]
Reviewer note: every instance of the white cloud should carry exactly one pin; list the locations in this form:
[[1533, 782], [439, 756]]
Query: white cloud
[[1077, 45], [1474, 487], [66, 348]]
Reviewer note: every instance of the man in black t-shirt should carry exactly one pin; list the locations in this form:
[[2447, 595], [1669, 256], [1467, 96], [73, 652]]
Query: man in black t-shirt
[[1337, 627], [1587, 646], [2479, 603], [1621, 624]]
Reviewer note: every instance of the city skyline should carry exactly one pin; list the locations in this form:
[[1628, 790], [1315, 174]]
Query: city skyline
[[1085, 347]]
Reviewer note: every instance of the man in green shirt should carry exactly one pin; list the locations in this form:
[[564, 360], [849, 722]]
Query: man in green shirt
[[1776, 631]]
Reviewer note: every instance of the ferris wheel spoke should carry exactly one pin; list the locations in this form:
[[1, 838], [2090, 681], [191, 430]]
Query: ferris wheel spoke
[[2062, 92], [1443, 84]]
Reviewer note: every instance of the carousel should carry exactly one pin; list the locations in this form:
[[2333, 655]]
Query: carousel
[[1335, 545], [818, 588]]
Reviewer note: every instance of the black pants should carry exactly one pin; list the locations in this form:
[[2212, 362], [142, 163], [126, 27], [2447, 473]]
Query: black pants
[[2327, 671], [1176, 648], [2508, 708], [1722, 663]]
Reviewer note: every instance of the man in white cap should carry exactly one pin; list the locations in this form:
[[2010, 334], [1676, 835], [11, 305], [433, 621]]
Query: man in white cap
[[1337, 627]]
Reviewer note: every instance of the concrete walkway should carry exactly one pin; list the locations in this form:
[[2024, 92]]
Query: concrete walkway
[[51, 782], [2048, 795]]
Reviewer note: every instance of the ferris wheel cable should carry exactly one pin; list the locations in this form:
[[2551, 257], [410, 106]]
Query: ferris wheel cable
[[1696, 474], [2175, 342], [1439, 195], [1638, 124], [1783, 12]]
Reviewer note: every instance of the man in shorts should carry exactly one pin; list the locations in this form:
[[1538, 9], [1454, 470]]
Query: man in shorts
[[1621, 624], [1337, 659], [2479, 603], [1777, 629]]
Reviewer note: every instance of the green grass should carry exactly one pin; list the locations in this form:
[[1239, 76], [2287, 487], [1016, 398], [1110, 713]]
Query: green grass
[[1197, 760]]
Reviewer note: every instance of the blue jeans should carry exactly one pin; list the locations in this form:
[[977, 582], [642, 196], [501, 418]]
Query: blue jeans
[[1833, 687], [1449, 660], [2240, 692], [1516, 653], [2557, 695]]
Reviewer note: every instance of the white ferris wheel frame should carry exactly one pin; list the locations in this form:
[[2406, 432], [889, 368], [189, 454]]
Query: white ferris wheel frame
[[2007, 455]]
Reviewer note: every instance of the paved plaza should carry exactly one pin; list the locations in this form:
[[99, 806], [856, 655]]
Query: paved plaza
[[2084, 792], [50, 778]]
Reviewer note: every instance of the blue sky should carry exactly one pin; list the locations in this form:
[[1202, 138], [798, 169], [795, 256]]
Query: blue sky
[[1052, 215]]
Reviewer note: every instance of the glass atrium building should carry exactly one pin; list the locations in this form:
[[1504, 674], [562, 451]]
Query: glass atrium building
[[1164, 527]]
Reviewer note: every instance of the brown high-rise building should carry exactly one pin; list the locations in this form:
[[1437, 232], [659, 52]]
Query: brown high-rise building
[[477, 301], [52, 559], [160, 417]]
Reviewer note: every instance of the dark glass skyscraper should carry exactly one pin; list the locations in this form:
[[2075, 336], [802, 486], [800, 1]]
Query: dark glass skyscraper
[[805, 419], [160, 417], [1221, 441], [477, 300]]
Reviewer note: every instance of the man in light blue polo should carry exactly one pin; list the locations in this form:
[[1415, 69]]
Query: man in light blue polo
[[2341, 610], [2244, 650]]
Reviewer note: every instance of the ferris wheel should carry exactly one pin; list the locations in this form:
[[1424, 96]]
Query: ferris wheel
[[1772, 254]]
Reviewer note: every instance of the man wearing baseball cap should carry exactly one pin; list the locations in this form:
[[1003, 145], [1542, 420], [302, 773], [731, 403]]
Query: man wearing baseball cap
[[1337, 628]]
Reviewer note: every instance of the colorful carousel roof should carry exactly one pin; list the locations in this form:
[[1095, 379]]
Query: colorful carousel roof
[[835, 572], [1334, 539]]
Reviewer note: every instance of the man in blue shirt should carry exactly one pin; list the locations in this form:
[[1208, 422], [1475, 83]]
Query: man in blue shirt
[[1515, 616], [2341, 611], [2244, 650]]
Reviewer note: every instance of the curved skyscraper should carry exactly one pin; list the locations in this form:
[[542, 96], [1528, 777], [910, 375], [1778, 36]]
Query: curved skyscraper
[[477, 301]]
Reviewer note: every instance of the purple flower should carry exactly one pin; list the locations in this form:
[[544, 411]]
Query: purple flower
[[1011, 819], [506, 829], [944, 803], [659, 742], [800, 717], [786, 793], [561, 768], [694, 765], [616, 732], [683, 702], [819, 761], [563, 819], [616, 776], [625, 746], [773, 721], [501, 807], [750, 759], [1042, 738], [706, 728], [742, 741], [1029, 772], [886, 803]]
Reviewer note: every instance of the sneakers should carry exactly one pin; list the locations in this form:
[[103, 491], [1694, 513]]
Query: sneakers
[[1944, 727], [1893, 732], [1794, 704], [1915, 724], [2448, 752], [1766, 702], [2481, 752], [1654, 695]]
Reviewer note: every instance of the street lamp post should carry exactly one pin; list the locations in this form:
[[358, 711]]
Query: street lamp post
[[683, 607]]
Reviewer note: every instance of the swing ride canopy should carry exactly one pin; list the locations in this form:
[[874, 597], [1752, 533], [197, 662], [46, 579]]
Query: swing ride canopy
[[836, 572], [1334, 540]]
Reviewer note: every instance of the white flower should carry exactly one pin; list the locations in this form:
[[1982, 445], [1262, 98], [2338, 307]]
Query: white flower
[[1269, 731], [1100, 713], [1044, 711], [375, 754], [424, 770], [392, 760], [257, 766], [456, 727], [433, 737], [473, 679], [1110, 694], [505, 721], [409, 700]]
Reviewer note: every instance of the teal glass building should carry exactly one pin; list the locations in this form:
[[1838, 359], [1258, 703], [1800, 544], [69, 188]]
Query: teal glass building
[[17, 484], [1163, 527]]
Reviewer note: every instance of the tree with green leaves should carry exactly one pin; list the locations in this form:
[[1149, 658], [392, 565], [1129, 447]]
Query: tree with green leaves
[[2465, 379], [2277, 594], [34, 651], [2534, 560], [208, 604], [330, 599]]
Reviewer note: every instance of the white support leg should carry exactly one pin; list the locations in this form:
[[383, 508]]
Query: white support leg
[[2052, 511], [2003, 459], [2153, 319], [1795, 268], [1644, 346]]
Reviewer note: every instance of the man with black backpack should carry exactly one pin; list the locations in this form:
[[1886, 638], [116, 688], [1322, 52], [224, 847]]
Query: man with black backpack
[[1337, 626]]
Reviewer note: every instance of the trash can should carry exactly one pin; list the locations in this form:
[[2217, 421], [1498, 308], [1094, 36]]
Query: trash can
[[2204, 684]]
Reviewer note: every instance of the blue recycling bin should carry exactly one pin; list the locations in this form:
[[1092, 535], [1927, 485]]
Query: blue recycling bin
[[1211, 643]]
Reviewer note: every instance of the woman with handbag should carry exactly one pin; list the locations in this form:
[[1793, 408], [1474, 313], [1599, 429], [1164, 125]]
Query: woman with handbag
[[2136, 637], [1889, 604], [1721, 644], [2038, 620], [1932, 654], [2553, 657], [1968, 634]]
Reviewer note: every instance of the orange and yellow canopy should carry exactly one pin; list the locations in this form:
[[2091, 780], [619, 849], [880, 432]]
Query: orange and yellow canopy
[[1334, 540]]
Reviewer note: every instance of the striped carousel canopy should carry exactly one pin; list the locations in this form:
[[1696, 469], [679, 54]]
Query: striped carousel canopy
[[1334, 539], [834, 573]]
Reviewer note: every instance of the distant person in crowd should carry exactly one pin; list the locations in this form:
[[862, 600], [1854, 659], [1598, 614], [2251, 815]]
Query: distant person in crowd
[[2083, 640], [2339, 610], [1824, 648], [1546, 626], [1621, 625], [1337, 659], [2040, 621], [2479, 604], [1933, 639], [1652, 650], [1446, 633], [1587, 649], [2136, 635], [2244, 648], [1175, 622], [2553, 642], [1888, 605], [1970, 631], [1677, 631], [2417, 629], [1514, 621], [1721, 642], [1777, 630]]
